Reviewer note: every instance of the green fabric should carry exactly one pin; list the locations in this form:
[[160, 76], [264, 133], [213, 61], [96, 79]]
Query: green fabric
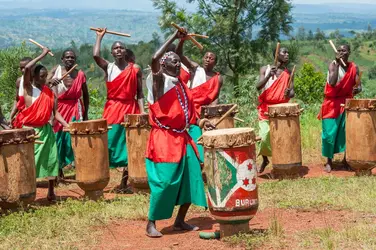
[[195, 132], [117, 148], [64, 148], [333, 136], [174, 184], [46, 160], [265, 148]]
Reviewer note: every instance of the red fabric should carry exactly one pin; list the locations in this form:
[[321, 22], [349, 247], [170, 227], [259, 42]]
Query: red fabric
[[206, 93], [39, 113], [121, 96], [337, 95], [165, 145], [67, 104], [184, 76], [275, 94]]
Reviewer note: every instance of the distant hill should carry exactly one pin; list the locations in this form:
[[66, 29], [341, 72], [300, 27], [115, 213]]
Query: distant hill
[[57, 27]]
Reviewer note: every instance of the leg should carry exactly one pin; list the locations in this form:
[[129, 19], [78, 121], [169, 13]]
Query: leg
[[124, 180], [265, 162], [51, 190], [151, 230], [328, 166], [180, 224]]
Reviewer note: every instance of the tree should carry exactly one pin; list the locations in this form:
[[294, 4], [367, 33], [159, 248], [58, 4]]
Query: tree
[[301, 35], [319, 35], [310, 36], [231, 27]]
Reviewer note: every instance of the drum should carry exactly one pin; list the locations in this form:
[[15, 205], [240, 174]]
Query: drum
[[90, 148], [361, 135], [285, 139], [137, 130], [230, 167], [215, 112], [17, 167]]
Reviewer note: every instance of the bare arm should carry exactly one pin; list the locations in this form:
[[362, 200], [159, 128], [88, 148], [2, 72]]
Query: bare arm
[[333, 73], [101, 62], [14, 110], [30, 65], [57, 114], [85, 97], [192, 66], [358, 89], [140, 93], [264, 79]]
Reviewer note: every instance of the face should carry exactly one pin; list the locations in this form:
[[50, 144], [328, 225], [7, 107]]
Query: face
[[344, 51], [40, 79], [283, 55], [209, 60], [118, 51], [69, 59], [172, 65], [23, 65]]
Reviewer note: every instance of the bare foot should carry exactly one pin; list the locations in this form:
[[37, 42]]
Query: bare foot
[[327, 168], [265, 162], [151, 230], [182, 226]]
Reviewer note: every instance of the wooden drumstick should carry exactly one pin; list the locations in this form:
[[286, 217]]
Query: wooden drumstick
[[68, 72], [238, 119], [291, 77], [335, 50], [40, 46], [198, 35], [276, 54], [189, 37], [111, 32], [359, 78]]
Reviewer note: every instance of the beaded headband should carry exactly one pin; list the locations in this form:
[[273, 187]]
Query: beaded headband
[[165, 56]]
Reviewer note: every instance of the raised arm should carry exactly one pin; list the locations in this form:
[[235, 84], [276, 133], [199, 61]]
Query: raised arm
[[333, 73], [264, 79], [140, 93], [52, 82], [101, 62], [192, 66], [29, 67], [155, 66], [85, 97]]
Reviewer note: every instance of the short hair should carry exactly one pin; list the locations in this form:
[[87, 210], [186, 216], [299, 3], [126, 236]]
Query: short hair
[[346, 45], [171, 47], [38, 68], [129, 52], [26, 59], [280, 48], [112, 46], [67, 50]]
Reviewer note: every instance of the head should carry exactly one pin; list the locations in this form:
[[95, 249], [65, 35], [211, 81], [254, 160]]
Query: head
[[209, 60], [170, 64], [24, 61], [118, 51], [68, 58], [283, 55], [345, 51], [40, 75], [130, 56]]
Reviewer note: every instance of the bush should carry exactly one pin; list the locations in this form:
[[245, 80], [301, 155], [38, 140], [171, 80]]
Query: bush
[[372, 72]]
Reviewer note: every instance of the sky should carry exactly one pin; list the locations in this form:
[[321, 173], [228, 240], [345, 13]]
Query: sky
[[144, 5]]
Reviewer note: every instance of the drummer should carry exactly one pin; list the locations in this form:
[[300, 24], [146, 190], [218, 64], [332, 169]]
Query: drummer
[[340, 85], [274, 89], [172, 164], [3, 122], [37, 104], [124, 96]]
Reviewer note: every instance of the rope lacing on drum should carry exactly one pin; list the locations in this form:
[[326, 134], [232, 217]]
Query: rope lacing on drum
[[184, 107]]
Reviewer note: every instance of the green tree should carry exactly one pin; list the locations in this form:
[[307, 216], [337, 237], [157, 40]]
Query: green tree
[[231, 27], [308, 84], [319, 35], [372, 72], [301, 35], [310, 36]]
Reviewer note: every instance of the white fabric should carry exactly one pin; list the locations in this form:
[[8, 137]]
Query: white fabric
[[169, 83], [270, 81], [199, 78], [60, 88], [35, 91], [112, 71], [341, 73]]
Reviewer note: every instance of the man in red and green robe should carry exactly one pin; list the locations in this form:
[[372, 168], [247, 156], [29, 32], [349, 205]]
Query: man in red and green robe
[[340, 85], [274, 89]]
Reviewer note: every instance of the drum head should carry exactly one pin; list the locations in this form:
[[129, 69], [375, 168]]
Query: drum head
[[16, 135], [88, 127], [228, 138]]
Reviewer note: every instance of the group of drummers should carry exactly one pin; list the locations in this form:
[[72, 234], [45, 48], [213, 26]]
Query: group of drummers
[[177, 89]]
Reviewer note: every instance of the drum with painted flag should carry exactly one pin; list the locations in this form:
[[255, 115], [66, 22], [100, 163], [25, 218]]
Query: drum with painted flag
[[230, 167]]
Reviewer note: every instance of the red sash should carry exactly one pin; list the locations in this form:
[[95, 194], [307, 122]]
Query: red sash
[[68, 102], [206, 93], [275, 94], [337, 95], [121, 96], [184, 76], [165, 145], [39, 113]]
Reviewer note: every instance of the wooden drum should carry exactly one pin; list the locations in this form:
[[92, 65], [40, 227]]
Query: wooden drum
[[90, 148], [285, 139], [137, 130], [361, 135], [230, 167], [215, 112], [17, 167]]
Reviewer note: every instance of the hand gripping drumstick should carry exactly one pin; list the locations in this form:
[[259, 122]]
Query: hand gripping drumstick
[[276, 54], [189, 37], [40, 46], [111, 32], [291, 77], [68, 72], [335, 50]]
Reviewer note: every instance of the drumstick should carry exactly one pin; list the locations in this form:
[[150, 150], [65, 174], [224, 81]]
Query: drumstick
[[198, 35], [358, 82], [335, 50], [39, 45], [68, 72], [226, 114], [189, 37], [111, 32], [238, 119], [292, 76], [276, 54]]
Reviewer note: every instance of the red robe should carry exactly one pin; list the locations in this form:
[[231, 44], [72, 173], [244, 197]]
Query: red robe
[[121, 96], [68, 101], [39, 113], [165, 145], [275, 94], [337, 95], [184, 75]]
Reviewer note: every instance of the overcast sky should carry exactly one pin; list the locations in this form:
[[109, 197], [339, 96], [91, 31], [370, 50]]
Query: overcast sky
[[145, 5]]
